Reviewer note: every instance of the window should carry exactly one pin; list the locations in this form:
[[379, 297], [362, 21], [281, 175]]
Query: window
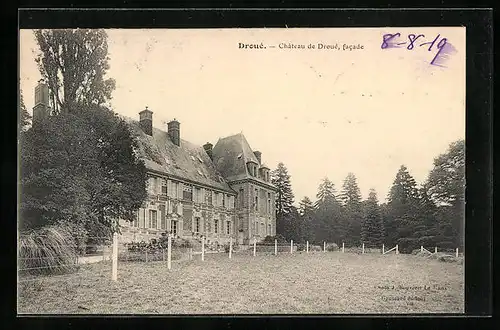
[[209, 193], [197, 195], [231, 202], [241, 197], [187, 192], [164, 187], [254, 170], [216, 226], [228, 227], [256, 202], [224, 200], [175, 189], [256, 228], [196, 225], [174, 227], [262, 228], [153, 221], [269, 232]]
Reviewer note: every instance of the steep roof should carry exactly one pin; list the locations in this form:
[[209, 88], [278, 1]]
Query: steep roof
[[187, 161], [230, 156]]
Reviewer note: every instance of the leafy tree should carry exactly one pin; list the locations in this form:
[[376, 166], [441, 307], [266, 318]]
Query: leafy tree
[[74, 62], [372, 228], [24, 116], [446, 187], [80, 168], [284, 196], [351, 200]]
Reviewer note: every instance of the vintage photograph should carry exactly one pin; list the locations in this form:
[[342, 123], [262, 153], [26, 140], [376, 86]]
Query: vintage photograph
[[241, 171]]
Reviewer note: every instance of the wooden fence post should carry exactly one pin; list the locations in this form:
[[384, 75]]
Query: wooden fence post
[[435, 249], [383, 249], [307, 246], [456, 253], [114, 273], [363, 248], [324, 246], [169, 252], [230, 247], [254, 246], [397, 249], [275, 247], [343, 247], [291, 246], [203, 248]]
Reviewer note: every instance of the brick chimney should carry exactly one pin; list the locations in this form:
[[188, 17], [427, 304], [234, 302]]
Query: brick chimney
[[146, 121], [41, 109], [258, 155], [174, 132], [208, 149]]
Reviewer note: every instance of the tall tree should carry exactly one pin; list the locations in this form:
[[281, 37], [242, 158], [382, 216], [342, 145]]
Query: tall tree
[[74, 62], [402, 209], [446, 187], [307, 214], [351, 200], [329, 223], [284, 196], [24, 116], [372, 228]]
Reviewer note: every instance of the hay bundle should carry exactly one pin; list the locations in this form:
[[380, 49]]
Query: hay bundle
[[47, 250]]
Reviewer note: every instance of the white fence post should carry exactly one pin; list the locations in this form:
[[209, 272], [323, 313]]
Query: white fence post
[[435, 249], [254, 246], [307, 246], [363, 251], [114, 273], [324, 246], [456, 253], [169, 252], [397, 249], [230, 247], [383, 249], [291, 246], [343, 247], [421, 249], [275, 247], [203, 248]]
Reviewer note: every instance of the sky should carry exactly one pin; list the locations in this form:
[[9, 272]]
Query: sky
[[322, 112]]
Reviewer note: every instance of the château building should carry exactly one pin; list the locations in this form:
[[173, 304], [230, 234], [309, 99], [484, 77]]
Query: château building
[[219, 191]]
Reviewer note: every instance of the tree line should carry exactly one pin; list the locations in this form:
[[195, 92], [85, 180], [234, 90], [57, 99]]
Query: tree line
[[430, 214]]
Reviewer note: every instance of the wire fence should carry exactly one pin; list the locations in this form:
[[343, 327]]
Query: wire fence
[[47, 263]]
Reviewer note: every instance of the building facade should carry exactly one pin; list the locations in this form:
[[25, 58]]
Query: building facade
[[219, 192]]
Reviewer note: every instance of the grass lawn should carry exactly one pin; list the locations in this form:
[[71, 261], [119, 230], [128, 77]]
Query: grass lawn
[[320, 283]]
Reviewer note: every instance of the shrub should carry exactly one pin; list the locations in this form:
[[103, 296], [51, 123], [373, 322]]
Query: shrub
[[47, 250], [332, 247]]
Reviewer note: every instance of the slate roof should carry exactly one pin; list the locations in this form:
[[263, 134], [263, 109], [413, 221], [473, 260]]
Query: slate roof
[[188, 161], [230, 156]]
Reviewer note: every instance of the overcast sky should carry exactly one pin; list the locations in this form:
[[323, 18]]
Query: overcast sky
[[320, 112]]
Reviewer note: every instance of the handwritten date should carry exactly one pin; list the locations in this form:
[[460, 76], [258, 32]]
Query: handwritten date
[[395, 40]]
